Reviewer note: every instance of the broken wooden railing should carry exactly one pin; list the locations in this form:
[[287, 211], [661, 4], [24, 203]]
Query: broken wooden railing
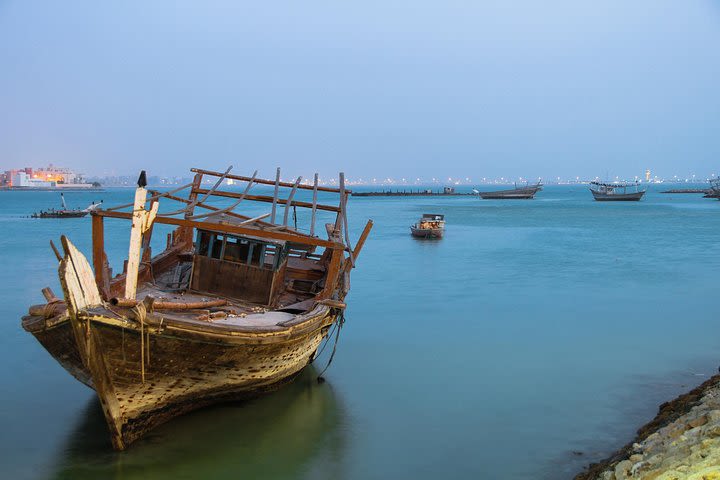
[[186, 219]]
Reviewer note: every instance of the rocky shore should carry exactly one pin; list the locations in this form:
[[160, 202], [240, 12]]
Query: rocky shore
[[681, 442]]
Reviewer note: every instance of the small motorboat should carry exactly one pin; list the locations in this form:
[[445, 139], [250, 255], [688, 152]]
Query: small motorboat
[[430, 225]]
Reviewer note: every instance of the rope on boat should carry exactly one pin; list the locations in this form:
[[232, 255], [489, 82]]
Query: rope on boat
[[326, 342], [140, 313], [340, 322]]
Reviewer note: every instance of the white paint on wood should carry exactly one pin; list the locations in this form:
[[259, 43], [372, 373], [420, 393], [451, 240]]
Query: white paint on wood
[[141, 222], [77, 279]]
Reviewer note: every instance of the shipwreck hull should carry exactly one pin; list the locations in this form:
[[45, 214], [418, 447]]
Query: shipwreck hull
[[144, 381], [57, 337], [235, 306]]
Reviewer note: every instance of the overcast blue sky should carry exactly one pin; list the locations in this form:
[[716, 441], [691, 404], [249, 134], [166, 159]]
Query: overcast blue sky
[[387, 88]]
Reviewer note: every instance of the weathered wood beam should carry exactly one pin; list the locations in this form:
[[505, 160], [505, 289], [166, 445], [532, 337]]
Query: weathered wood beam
[[361, 240], [331, 275], [343, 213], [289, 203], [232, 229], [265, 182], [154, 197], [231, 207], [314, 205], [138, 219], [245, 218], [197, 181], [264, 198], [98, 255], [275, 196]]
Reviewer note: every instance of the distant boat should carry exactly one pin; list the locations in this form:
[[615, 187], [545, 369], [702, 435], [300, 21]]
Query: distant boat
[[430, 225], [618, 191], [714, 191], [64, 212], [518, 193]]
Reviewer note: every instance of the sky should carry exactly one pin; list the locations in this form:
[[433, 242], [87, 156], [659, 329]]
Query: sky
[[372, 88]]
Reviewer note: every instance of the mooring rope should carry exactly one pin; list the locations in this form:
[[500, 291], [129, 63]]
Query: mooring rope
[[140, 313], [325, 342], [340, 322]]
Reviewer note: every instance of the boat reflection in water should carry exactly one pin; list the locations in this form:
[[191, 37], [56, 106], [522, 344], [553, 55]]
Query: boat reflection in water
[[282, 434]]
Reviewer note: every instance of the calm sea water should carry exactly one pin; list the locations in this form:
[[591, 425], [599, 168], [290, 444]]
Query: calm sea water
[[533, 339]]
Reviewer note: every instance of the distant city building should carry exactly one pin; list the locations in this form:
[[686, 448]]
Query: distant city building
[[43, 177]]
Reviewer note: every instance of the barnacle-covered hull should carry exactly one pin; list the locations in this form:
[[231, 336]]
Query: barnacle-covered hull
[[145, 382]]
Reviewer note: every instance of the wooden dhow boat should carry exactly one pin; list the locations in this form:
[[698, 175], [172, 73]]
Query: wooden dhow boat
[[65, 212], [523, 192], [430, 225], [618, 191], [233, 307]]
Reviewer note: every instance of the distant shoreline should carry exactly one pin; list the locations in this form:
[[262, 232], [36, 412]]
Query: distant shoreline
[[52, 189]]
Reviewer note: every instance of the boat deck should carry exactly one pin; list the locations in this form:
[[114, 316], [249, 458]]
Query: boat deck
[[233, 313]]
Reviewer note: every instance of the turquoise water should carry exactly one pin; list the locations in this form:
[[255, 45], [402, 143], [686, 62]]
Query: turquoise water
[[533, 339]]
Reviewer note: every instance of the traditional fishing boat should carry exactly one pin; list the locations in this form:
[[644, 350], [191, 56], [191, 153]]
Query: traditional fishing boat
[[430, 225], [617, 191], [523, 192], [65, 212], [235, 305]]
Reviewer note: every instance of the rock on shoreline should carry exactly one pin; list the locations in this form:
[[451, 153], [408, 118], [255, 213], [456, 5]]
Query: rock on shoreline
[[681, 442]]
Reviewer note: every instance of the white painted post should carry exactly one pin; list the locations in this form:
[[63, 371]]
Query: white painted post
[[141, 221]]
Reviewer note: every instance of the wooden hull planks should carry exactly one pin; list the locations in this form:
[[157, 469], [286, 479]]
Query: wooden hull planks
[[233, 307], [619, 197], [520, 193], [183, 370]]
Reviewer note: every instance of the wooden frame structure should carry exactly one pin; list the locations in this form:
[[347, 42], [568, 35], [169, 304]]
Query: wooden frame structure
[[234, 306], [198, 197]]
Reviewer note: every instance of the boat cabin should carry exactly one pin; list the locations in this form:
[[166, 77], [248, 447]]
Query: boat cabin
[[431, 220], [242, 267]]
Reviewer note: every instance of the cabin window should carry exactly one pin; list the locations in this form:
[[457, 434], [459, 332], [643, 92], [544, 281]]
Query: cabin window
[[217, 246], [203, 243], [233, 247], [240, 250]]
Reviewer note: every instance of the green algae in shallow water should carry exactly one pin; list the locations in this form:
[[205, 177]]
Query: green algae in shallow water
[[271, 437]]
